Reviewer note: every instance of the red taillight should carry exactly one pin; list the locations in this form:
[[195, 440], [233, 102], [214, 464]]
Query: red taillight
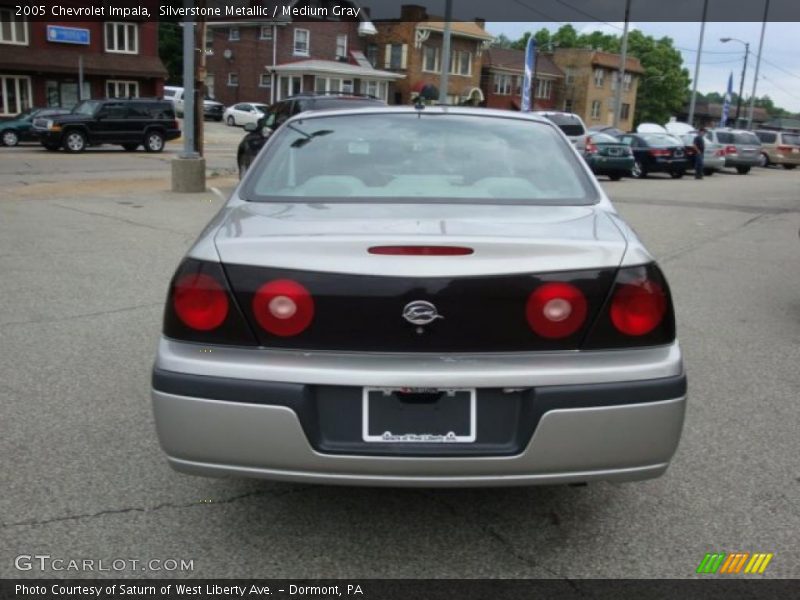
[[200, 302], [421, 250], [592, 149], [638, 308], [658, 152], [556, 310], [283, 307], [730, 150], [784, 149]]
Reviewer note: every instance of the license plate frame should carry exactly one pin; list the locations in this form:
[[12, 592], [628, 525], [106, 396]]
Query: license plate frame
[[420, 437]]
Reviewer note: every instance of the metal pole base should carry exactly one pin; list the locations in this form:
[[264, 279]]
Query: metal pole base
[[189, 175]]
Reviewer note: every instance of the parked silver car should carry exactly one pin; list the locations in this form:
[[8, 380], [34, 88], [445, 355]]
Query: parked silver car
[[419, 296], [713, 156], [742, 149]]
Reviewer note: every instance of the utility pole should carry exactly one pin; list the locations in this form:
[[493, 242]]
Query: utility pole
[[80, 77], [758, 66], [199, 78], [443, 83], [622, 65], [725, 40], [693, 103]]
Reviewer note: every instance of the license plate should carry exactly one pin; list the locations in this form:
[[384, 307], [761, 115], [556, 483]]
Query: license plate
[[419, 415]]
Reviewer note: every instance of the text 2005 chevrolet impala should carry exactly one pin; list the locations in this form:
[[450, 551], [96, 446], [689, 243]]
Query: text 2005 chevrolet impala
[[431, 297]]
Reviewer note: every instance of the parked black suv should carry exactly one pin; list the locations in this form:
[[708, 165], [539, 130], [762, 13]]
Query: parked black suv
[[278, 113], [130, 122]]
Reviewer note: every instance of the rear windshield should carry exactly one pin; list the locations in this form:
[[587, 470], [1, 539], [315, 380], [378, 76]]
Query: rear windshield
[[604, 138], [792, 139], [660, 140], [767, 137], [169, 93], [418, 157], [746, 137], [569, 124]]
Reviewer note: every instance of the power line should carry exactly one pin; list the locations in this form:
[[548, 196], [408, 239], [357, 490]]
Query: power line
[[774, 66], [783, 89]]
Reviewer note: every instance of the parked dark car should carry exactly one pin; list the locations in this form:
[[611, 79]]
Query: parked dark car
[[20, 128], [258, 133], [606, 155], [128, 122], [656, 153]]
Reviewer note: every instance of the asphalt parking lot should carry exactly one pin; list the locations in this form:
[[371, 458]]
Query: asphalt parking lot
[[87, 246]]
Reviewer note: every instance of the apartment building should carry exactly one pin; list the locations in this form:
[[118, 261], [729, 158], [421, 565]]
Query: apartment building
[[503, 73]]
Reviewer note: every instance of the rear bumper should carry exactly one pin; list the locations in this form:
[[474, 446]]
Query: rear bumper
[[742, 161], [579, 431]]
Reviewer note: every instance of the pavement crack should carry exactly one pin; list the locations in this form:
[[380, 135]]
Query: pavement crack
[[709, 240], [120, 219], [158, 507], [82, 316]]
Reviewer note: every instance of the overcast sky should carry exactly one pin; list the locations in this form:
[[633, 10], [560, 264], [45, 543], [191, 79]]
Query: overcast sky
[[779, 76]]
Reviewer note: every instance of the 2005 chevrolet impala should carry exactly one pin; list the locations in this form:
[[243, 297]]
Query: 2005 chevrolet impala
[[419, 296]]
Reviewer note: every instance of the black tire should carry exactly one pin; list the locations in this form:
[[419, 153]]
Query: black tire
[[130, 147], [154, 141], [764, 160], [231, 121], [9, 137], [218, 119], [74, 140], [639, 171], [677, 174], [615, 176], [743, 170], [789, 167], [708, 172]]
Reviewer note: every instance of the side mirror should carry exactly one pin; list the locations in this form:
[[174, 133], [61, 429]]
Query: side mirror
[[250, 127]]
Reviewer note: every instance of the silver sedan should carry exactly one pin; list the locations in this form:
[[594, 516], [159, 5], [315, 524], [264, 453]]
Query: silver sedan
[[419, 297]]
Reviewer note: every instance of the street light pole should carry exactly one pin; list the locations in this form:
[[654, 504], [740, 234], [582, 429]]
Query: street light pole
[[693, 102], [622, 64], [443, 82], [758, 67], [725, 40]]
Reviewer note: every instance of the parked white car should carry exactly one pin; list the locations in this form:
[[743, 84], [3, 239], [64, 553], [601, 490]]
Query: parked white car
[[243, 113], [211, 108]]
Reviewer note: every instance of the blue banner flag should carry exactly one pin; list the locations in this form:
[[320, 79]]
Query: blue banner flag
[[527, 84], [726, 106]]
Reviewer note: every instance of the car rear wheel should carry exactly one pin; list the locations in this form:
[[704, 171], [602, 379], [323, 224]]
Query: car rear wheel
[[743, 170], [154, 141], [10, 137], [638, 171], [676, 174], [789, 167], [130, 147], [231, 121], [763, 160], [74, 141]]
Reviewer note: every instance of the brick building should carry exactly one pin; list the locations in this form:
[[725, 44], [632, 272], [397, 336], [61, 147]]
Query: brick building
[[39, 61], [412, 46], [268, 60], [503, 73], [590, 78]]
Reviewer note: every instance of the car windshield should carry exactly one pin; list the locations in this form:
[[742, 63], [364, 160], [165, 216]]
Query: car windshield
[[603, 138], [661, 140], [569, 124], [418, 157], [87, 107]]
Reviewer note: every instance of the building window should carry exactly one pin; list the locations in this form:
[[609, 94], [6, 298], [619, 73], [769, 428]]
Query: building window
[[596, 107], [568, 106], [614, 78], [116, 88], [461, 63], [233, 79], [599, 74], [122, 37], [371, 87], [544, 88], [569, 76], [372, 54], [233, 34], [502, 84], [328, 84], [15, 94], [626, 82], [396, 56], [289, 85], [264, 80], [13, 30], [301, 45], [518, 81], [430, 59], [266, 32], [341, 46], [347, 86], [625, 112]]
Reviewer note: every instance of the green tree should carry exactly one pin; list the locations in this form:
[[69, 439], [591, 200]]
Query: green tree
[[502, 41], [170, 49]]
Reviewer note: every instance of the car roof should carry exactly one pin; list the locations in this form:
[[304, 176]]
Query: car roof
[[439, 110]]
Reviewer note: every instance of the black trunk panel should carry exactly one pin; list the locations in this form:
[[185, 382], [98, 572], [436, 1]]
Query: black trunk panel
[[365, 313]]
